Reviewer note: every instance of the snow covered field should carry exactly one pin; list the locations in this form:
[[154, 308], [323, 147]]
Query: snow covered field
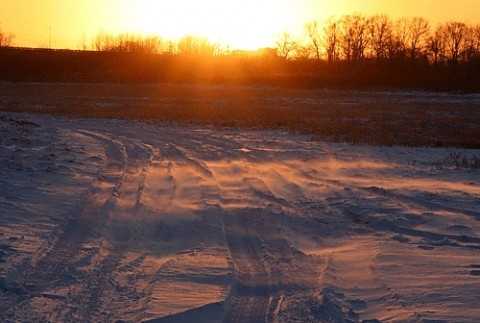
[[107, 220]]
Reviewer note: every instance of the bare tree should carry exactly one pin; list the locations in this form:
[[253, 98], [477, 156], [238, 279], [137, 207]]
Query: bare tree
[[346, 37], [305, 52], [436, 46], [6, 40], [476, 39], [418, 32], [152, 44], [286, 45], [399, 38], [361, 39], [331, 35], [454, 33], [198, 46], [354, 36], [380, 29], [313, 36], [103, 41], [472, 43]]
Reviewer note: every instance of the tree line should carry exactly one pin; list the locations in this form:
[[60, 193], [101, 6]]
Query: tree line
[[351, 51], [346, 38], [357, 37], [137, 43]]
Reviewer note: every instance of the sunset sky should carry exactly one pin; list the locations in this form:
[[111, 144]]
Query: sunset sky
[[246, 24]]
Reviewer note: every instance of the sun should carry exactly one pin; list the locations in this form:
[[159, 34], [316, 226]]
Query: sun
[[243, 24]]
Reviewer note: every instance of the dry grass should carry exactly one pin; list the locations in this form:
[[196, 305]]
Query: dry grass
[[380, 118]]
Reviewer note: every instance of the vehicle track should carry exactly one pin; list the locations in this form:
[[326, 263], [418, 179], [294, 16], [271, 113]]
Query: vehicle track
[[53, 267], [249, 297]]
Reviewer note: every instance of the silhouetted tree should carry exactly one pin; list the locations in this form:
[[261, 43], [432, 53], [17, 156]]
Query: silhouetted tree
[[286, 45], [476, 39], [331, 35], [313, 36], [305, 51], [103, 41], [380, 29], [472, 43], [436, 47], [197, 46], [6, 40], [152, 44], [399, 39], [353, 37], [454, 33], [419, 29]]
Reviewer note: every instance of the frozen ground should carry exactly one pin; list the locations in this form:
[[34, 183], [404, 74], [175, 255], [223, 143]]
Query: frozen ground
[[104, 221]]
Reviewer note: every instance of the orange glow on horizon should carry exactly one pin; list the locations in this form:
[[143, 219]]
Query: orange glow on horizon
[[247, 24]]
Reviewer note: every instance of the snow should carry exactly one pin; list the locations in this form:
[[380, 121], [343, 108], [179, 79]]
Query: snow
[[107, 220]]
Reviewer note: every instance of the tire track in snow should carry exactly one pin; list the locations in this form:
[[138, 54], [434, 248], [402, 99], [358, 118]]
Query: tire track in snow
[[138, 159], [55, 268], [249, 297], [266, 266], [335, 302]]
